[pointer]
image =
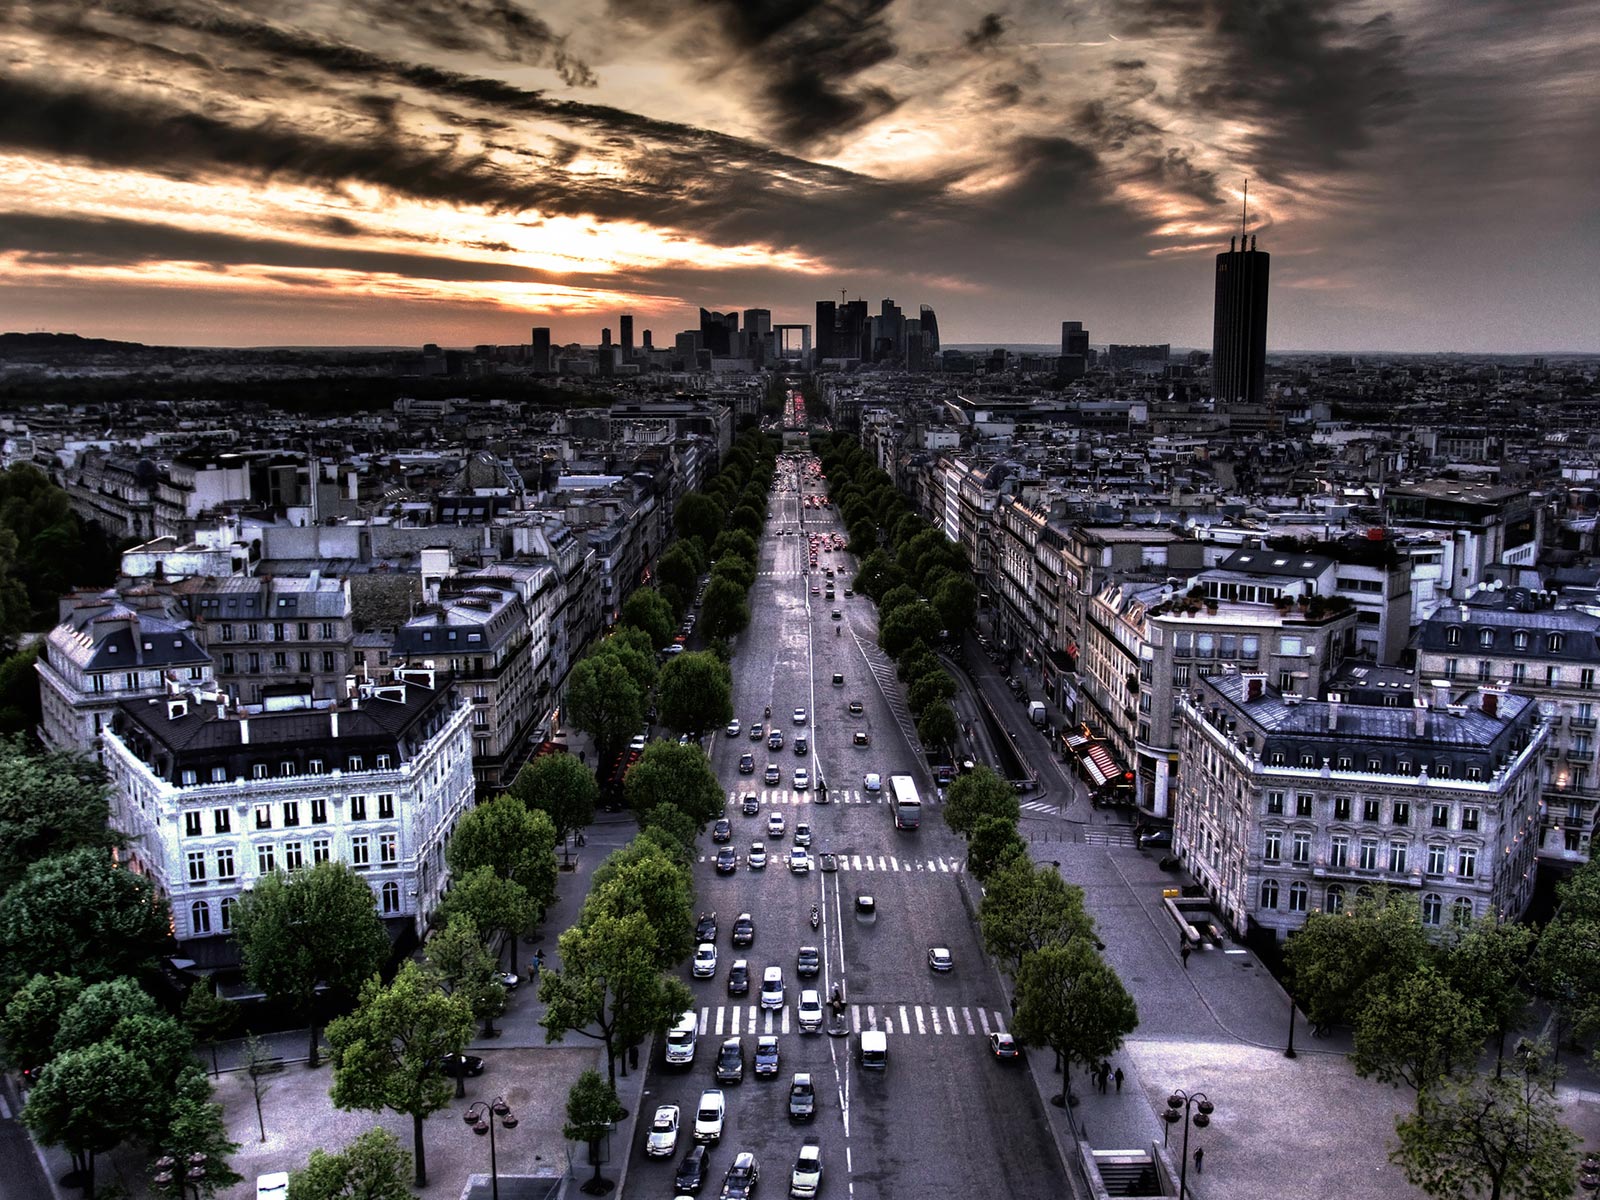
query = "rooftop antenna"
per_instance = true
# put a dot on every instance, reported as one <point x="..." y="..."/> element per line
<point x="841" y="297"/>
<point x="1244" y="211"/>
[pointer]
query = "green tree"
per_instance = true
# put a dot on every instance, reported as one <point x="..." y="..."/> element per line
<point x="372" y="1167"/>
<point x="876" y="575"/>
<point x="81" y="908"/>
<point x="32" y="1018"/>
<point x="956" y="600"/>
<point x="698" y="516"/>
<point x="724" y="611"/>
<point x="259" y="1062"/>
<point x="1069" y="1000"/>
<point x="648" y="610"/>
<point x="736" y="569"/>
<point x="634" y="650"/>
<point x="495" y="905"/>
<point x="592" y="1109"/>
<point x="937" y="726"/>
<point x="1027" y="908"/>
<point x="935" y="687"/>
<point x="668" y="773"/>
<point x="20" y="709"/>
<point x="386" y="1053"/>
<point x="605" y="702"/>
<point x="1566" y="965"/>
<point x="907" y="624"/>
<point x="1487" y="962"/>
<point x="896" y="598"/>
<point x="695" y="694"/>
<point x="312" y="928"/>
<point x="562" y="788"/>
<point x="678" y="573"/>
<point x="50" y="803"/>
<point x="609" y="986"/>
<point x="194" y="1126"/>
<point x="642" y="878"/>
<point x="1341" y="960"/>
<point x="977" y="794"/>
<point x="462" y="966"/>
<point x="748" y="519"/>
<point x="1418" y="1033"/>
<point x="1579" y="893"/>
<point x="517" y="842"/>
<point x="1499" y="1137"/>
<point x="89" y="1102"/>
<point x="677" y="829"/>
<point x="209" y="1017"/>
<point x="735" y="541"/>
<point x="97" y="1010"/>
<point x="993" y="841"/>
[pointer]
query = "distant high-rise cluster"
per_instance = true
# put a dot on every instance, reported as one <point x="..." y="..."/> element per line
<point x="1239" y="329"/>
<point x="846" y="330"/>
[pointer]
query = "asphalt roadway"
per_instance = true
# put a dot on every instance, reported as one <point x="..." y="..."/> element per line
<point x="944" y="1118"/>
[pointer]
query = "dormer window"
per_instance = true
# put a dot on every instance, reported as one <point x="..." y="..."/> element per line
<point x="1452" y="636"/>
<point x="1485" y="637"/>
<point x="1519" y="639"/>
<point x="1553" y="643"/>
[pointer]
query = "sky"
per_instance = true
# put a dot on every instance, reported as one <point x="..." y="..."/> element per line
<point x="1425" y="173"/>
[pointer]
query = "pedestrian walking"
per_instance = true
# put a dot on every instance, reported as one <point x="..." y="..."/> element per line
<point x="1185" y="952"/>
<point x="1119" y="1078"/>
<point x="538" y="961"/>
<point x="1200" y="1160"/>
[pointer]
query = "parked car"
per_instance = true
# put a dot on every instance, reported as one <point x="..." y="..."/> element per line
<point x="838" y="679"/>
<point x="862" y="738"/>
<point x="663" y="1139"/>
<point x="458" y="1065"/>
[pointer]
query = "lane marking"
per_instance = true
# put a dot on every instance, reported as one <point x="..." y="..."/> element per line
<point x="984" y="1018"/>
<point x="967" y="1013"/>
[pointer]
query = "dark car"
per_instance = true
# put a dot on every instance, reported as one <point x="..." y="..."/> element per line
<point x="739" y="978"/>
<point x="801" y="746"/>
<point x="766" y="1057"/>
<point x="730" y="1061"/>
<point x="1156" y="839"/>
<point x="722" y="831"/>
<point x="740" y="1181"/>
<point x="750" y="806"/>
<point x="862" y="738"/>
<point x="705" y="929"/>
<point x="802" y="1098"/>
<point x="458" y="1065"/>
<point x="692" y="1171"/>
<point x="807" y="962"/>
<point x="727" y="861"/>
<point x="747" y="764"/>
<point x="744" y="930"/>
<point x="856" y="708"/>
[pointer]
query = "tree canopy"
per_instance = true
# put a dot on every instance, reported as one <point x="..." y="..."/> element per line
<point x="1339" y="961"/>
<point x="50" y="803"/>
<point x="562" y="788"/>
<point x="517" y="842"/>
<point x="1027" y="908"/>
<point x="648" y="610"/>
<point x="371" y="1167"/>
<point x="977" y="794"/>
<point x="605" y="702"/>
<point x="695" y="693"/>
<point x="669" y="773"/>
<point x="1069" y="1000"/>
<point x="495" y="905"/>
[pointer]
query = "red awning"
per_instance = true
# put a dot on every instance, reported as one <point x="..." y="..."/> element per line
<point x="1100" y="765"/>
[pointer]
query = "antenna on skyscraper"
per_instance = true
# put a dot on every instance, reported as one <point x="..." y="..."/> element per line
<point x="841" y="297"/>
<point x="1244" y="213"/>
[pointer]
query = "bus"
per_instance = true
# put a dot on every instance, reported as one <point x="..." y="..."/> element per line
<point x="904" y="802"/>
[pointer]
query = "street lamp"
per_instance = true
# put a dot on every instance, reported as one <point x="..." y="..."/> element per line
<point x="480" y="1116"/>
<point x="1178" y="1105"/>
<point x="1289" y="1049"/>
<point x="168" y="1174"/>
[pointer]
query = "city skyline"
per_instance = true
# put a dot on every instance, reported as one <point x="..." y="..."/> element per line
<point x="456" y="171"/>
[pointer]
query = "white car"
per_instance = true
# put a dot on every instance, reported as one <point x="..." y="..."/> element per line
<point x="799" y="716"/>
<point x="675" y="648"/>
<point x="705" y="961"/>
<point x="775" y="824"/>
<point x="802" y="779"/>
<point x="708" y="1116"/>
<point x="802" y="833"/>
<point x="809" y="1011"/>
<point x="940" y="959"/>
<point x="806" y="1178"/>
<point x="799" y="861"/>
<point x="733" y="727"/>
<point x="873" y="782"/>
<point x="772" y="987"/>
<point x="757" y="857"/>
<point x="663" y="1138"/>
<point x="637" y="743"/>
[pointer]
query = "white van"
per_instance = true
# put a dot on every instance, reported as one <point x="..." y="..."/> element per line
<point x="874" y="1050"/>
<point x="681" y="1039"/>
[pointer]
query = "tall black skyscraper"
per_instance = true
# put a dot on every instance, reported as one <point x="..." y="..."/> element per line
<point x="827" y="327"/>
<point x="541" y="348"/>
<point x="1239" y="328"/>
<point x="1074" y="350"/>
<point x="717" y="332"/>
<point x="626" y="321"/>
<point x="930" y="330"/>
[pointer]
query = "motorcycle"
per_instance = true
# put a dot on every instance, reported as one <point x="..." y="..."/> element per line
<point x="767" y="712"/>
<point x="816" y="917"/>
<point x="837" y="632"/>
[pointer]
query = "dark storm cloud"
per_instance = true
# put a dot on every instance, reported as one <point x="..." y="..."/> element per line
<point x="1315" y="85"/>
<point x="501" y="28"/>
<point x="987" y="33"/>
<point x="1177" y="172"/>
<point x="801" y="56"/>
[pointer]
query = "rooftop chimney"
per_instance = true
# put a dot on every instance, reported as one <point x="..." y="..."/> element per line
<point x="1441" y="693"/>
<point x="1335" y="700"/>
<point x="1420" y="718"/>
<point x="1490" y="698"/>
<point x="244" y="731"/>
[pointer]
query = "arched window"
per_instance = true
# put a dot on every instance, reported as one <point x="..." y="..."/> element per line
<point x="1432" y="908"/>
<point x="391" y="898"/>
<point x="1335" y="897"/>
<point x="1485" y="637"/>
<point x="1461" y="911"/>
<point x="1554" y="642"/>
<point x="1363" y="893"/>
<point x="1452" y="636"/>
<point x="227" y="913"/>
<point x="1297" y="896"/>
<point x="200" y="917"/>
<point x="1269" y="893"/>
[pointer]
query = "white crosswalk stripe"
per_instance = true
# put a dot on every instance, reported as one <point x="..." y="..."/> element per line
<point x="911" y="1021"/>
<point x="1038" y="806"/>
<point x="932" y="866"/>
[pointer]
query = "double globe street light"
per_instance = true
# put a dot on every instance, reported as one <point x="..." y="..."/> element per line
<point x="480" y="1117"/>
<point x="1178" y="1106"/>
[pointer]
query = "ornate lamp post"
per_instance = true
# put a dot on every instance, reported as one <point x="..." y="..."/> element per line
<point x="1178" y="1105"/>
<point x="480" y="1116"/>
<point x="173" y="1173"/>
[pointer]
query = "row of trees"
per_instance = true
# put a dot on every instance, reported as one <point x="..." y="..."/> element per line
<point x="920" y="581"/>
<point x="1422" y="1009"/>
<point x="1068" y="998"/>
